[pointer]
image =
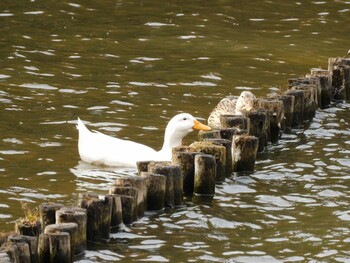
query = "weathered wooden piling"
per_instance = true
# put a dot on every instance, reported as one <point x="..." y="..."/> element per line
<point x="98" y="210"/>
<point x="174" y="182"/>
<point x="244" y="152"/>
<point x="228" y="145"/>
<point x="24" y="227"/>
<point x="139" y="184"/>
<point x="184" y="158"/>
<point x="234" y="121"/>
<point x="54" y="248"/>
<point x="339" y="69"/>
<point x="78" y="216"/>
<point x="204" y="174"/>
<point x="32" y="242"/>
<point x="209" y="134"/>
<point x="117" y="212"/>
<point x="298" y="107"/>
<point x="142" y="166"/>
<point x="127" y="203"/>
<point x="219" y="153"/>
<point x="288" y="102"/>
<point x="325" y="96"/>
<point x="156" y="187"/>
<point x="275" y="109"/>
<point x="47" y="213"/>
<point x="70" y="228"/>
<point x="59" y="244"/>
<point x="259" y="127"/>
<point x="23" y="248"/>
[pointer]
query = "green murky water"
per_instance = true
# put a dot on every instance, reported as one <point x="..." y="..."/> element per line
<point x="127" y="67"/>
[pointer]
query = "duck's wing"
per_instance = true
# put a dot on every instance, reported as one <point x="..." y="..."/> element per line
<point x="225" y="106"/>
<point x="99" y="148"/>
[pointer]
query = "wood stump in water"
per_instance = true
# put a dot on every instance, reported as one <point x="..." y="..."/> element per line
<point x="244" y="152"/>
<point x="219" y="153"/>
<point x="156" y="187"/>
<point x="259" y="127"/>
<point x="48" y="214"/>
<point x="298" y="107"/>
<point x="325" y="96"/>
<point x="79" y="216"/>
<point x="98" y="210"/>
<point x="204" y="174"/>
<point x="128" y="196"/>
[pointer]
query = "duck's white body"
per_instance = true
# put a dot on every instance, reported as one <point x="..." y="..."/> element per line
<point x="98" y="148"/>
<point x="231" y="105"/>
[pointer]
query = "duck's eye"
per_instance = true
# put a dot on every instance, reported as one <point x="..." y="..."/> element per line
<point x="185" y="119"/>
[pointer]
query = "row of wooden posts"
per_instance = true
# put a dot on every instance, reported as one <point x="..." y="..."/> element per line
<point x="61" y="233"/>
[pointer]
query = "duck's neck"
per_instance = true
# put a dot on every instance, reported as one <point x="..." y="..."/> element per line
<point x="171" y="140"/>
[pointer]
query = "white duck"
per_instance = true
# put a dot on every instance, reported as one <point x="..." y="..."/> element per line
<point x="231" y="105"/>
<point x="98" y="148"/>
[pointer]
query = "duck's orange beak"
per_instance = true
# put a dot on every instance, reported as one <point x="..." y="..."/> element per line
<point x="200" y="126"/>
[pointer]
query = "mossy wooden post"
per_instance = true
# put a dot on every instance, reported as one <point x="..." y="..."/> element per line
<point x="298" y="107"/>
<point x="309" y="101"/>
<point x="288" y="102"/>
<point x="59" y="244"/>
<point x="23" y="227"/>
<point x="139" y="184"/>
<point x="47" y="213"/>
<point x="70" y="228"/>
<point x="23" y="249"/>
<point x="142" y="166"/>
<point x="75" y="215"/>
<point x="209" y="134"/>
<point x="204" y="174"/>
<point x="340" y="77"/>
<point x="275" y="108"/>
<point x="219" y="153"/>
<point x="117" y="212"/>
<point x="98" y="210"/>
<point x="32" y="242"/>
<point x="325" y="98"/>
<point x="174" y="182"/>
<point x="259" y="127"/>
<point x="127" y="203"/>
<point x="244" y="151"/>
<point x="185" y="160"/>
<point x="156" y="186"/>
<point x="228" y="133"/>
<point x="234" y="121"/>
<point x="43" y="248"/>
<point x="228" y="145"/>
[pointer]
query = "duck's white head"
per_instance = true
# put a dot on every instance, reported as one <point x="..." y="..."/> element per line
<point x="245" y="102"/>
<point x="178" y="127"/>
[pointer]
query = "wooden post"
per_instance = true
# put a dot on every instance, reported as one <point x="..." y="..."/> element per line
<point x="78" y="216"/>
<point x="43" y="248"/>
<point x="32" y="242"/>
<point x="288" y="102"/>
<point x="185" y="160"/>
<point x="209" y="134"/>
<point x="340" y="77"/>
<point x="259" y="127"/>
<point x="70" y="228"/>
<point x="204" y="174"/>
<point x="98" y="216"/>
<point x="48" y="214"/>
<point x="139" y="184"/>
<point x="60" y="248"/>
<point x="117" y="212"/>
<point x="228" y="145"/>
<point x="275" y="108"/>
<point x="23" y="249"/>
<point x="26" y="228"/>
<point x="298" y="107"/>
<point x="156" y="187"/>
<point x="142" y="166"/>
<point x="228" y="133"/>
<point x="244" y="151"/>
<point x="124" y="191"/>
<point x="325" y="97"/>
<point x="174" y="182"/>
<point x="219" y="153"/>
<point x="234" y="121"/>
<point x="309" y="101"/>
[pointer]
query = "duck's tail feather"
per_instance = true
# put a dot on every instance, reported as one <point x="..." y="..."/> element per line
<point x="81" y="126"/>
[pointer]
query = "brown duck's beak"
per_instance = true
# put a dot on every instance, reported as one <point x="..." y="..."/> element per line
<point x="200" y="126"/>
